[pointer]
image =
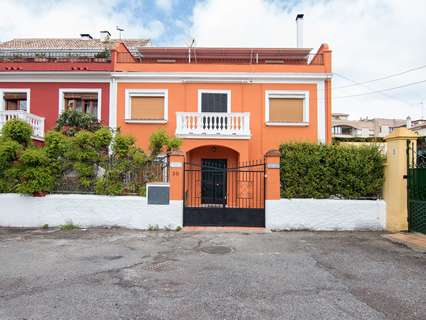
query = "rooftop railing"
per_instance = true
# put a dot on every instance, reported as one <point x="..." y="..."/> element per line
<point x="43" y="56"/>
<point x="167" y="55"/>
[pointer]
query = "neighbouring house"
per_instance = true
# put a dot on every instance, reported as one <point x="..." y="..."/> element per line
<point x="418" y="126"/>
<point x="42" y="77"/>
<point x="343" y="127"/>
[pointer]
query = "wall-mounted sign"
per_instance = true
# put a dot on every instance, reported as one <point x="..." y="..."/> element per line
<point x="273" y="165"/>
<point x="176" y="164"/>
<point x="158" y="193"/>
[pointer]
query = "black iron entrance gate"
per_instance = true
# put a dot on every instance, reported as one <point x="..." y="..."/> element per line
<point x="216" y="194"/>
<point x="416" y="183"/>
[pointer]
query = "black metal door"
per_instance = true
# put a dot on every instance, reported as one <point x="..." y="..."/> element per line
<point x="218" y="195"/>
<point x="416" y="185"/>
<point x="213" y="181"/>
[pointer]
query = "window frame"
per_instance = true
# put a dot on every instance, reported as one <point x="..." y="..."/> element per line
<point x="27" y="91"/>
<point x="129" y="93"/>
<point x="288" y="94"/>
<point x="62" y="92"/>
<point x="228" y="100"/>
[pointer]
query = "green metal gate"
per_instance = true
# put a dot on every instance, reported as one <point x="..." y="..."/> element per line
<point x="416" y="184"/>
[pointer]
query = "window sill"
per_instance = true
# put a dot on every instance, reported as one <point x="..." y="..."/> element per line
<point x="146" y="121"/>
<point x="288" y="124"/>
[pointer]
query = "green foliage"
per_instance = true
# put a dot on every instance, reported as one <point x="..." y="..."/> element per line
<point x="105" y="54"/>
<point x="126" y="159"/>
<point x="45" y="226"/>
<point x="80" y="162"/>
<point x="33" y="172"/>
<point x="10" y="151"/>
<point x="68" y="226"/>
<point x="174" y="143"/>
<point x="18" y="130"/>
<point x="324" y="171"/>
<point x="103" y="138"/>
<point x="154" y="227"/>
<point x="71" y="122"/>
<point x="160" y="140"/>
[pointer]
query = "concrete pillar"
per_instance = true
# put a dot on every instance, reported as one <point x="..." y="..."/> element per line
<point x="273" y="185"/>
<point x="395" y="187"/>
<point x="176" y="166"/>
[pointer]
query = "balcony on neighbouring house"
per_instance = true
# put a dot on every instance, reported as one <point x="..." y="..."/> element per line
<point x="36" y="122"/>
<point x="213" y="125"/>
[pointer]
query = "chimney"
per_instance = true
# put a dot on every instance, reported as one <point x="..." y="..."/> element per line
<point x="299" y="24"/>
<point x="408" y="122"/>
<point x="105" y="36"/>
<point x="86" y="36"/>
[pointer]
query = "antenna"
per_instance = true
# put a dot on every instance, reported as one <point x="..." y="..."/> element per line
<point x="119" y="30"/>
<point x="189" y="49"/>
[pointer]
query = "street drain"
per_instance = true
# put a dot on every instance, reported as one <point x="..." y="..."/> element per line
<point x="112" y="257"/>
<point x="216" y="250"/>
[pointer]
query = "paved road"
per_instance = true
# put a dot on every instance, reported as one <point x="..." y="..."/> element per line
<point x="125" y="274"/>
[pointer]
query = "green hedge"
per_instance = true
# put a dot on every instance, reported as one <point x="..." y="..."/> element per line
<point x="324" y="171"/>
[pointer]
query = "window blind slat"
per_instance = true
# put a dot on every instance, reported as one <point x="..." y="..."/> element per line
<point x="285" y="110"/>
<point x="147" y="108"/>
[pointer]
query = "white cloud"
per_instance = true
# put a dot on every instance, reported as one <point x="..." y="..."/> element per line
<point x="369" y="39"/>
<point x="165" y="5"/>
<point x="70" y="18"/>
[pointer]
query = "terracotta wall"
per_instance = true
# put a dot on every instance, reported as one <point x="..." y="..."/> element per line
<point x="244" y="98"/>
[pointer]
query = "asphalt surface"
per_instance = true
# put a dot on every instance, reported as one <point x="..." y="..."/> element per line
<point x="127" y="274"/>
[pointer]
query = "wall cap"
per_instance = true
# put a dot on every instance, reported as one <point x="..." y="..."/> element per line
<point x="273" y="153"/>
<point x="176" y="152"/>
<point x="401" y="134"/>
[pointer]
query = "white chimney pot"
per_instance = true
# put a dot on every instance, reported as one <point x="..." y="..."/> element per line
<point x="299" y="24"/>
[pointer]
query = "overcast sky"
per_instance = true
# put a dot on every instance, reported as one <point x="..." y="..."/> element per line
<point x="369" y="38"/>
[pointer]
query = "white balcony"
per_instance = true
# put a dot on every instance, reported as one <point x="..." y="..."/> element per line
<point x="36" y="122"/>
<point x="216" y="125"/>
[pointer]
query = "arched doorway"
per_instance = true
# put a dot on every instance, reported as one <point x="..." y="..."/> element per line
<point x="219" y="191"/>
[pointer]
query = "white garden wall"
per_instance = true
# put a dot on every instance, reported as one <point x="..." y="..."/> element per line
<point x="87" y="210"/>
<point x="319" y="214"/>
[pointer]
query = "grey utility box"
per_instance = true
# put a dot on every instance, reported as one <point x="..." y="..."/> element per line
<point x="158" y="193"/>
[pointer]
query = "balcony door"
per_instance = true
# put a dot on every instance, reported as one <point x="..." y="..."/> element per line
<point x="214" y="102"/>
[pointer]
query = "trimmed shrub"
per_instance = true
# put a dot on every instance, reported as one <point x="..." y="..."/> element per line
<point x="34" y="175"/>
<point x="324" y="171"/>
<point x="18" y="130"/>
<point x="9" y="154"/>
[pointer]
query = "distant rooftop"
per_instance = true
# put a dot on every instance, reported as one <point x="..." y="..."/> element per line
<point x="69" y="44"/>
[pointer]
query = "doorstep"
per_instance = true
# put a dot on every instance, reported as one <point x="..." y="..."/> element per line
<point x="414" y="241"/>
<point x="226" y="229"/>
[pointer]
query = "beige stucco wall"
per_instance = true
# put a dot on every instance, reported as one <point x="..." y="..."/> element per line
<point x="395" y="187"/>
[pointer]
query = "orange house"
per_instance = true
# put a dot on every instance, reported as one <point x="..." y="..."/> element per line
<point x="230" y="106"/>
<point x="247" y="100"/>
